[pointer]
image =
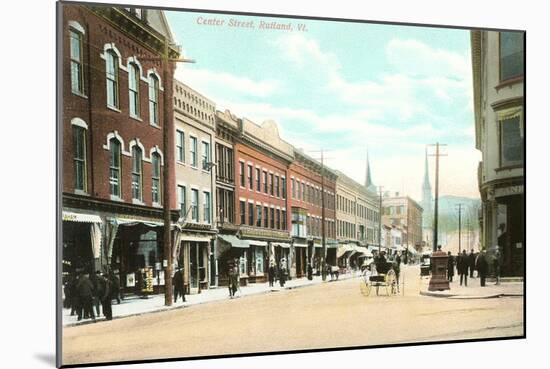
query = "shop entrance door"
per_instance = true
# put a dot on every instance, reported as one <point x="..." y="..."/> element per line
<point x="194" y="267"/>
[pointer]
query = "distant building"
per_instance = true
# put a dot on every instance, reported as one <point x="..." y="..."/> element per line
<point x="404" y="212"/>
<point x="307" y="180"/>
<point x="498" y="76"/>
<point x="357" y="219"/>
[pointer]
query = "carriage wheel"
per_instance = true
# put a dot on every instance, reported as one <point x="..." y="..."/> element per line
<point x="365" y="286"/>
<point x="391" y="282"/>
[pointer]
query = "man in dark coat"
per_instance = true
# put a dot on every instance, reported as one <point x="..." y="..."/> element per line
<point x="472" y="262"/>
<point x="271" y="272"/>
<point x="178" y="285"/>
<point x="309" y="272"/>
<point x="397" y="267"/>
<point x="98" y="291"/>
<point x="463" y="268"/>
<point x="115" y="286"/>
<point x="482" y="266"/>
<point x="497" y="261"/>
<point x="233" y="280"/>
<point x="450" y="267"/>
<point x="106" y="293"/>
<point x="85" y="295"/>
<point x="282" y="275"/>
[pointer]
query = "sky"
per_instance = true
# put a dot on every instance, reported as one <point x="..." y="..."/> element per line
<point x="348" y="88"/>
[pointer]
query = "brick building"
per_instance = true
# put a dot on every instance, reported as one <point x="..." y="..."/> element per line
<point x="405" y="213"/>
<point x="114" y="90"/>
<point x="261" y="207"/>
<point x="306" y="203"/>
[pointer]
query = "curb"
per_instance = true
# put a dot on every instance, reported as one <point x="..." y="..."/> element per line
<point x="469" y="297"/>
<point x="164" y="309"/>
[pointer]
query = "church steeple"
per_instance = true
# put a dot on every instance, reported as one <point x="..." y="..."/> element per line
<point x="368" y="176"/>
<point x="426" y="186"/>
<point x="427" y="198"/>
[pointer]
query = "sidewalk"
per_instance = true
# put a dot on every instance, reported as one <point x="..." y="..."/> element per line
<point x="133" y="306"/>
<point x="474" y="290"/>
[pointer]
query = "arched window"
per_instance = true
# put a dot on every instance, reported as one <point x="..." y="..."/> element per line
<point x="153" y="99"/>
<point x="136" y="173"/>
<point x="114" y="167"/>
<point x="112" y="79"/>
<point x="79" y="142"/>
<point x="156" y="183"/>
<point x="77" y="73"/>
<point x="133" y="86"/>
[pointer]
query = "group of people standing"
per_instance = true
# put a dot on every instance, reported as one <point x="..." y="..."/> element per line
<point x="280" y="273"/>
<point x="85" y="292"/>
<point x="466" y="264"/>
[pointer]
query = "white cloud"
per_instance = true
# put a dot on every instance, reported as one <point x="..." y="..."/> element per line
<point x="211" y="81"/>
<point x="412" y="57"/>
<point x="421" y="71"/>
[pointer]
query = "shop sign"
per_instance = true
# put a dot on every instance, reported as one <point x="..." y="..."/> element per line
<point x="509" y="191"/>
<point x="130" y="280"/>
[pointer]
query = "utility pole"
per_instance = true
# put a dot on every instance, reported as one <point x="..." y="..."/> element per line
<point x="437" y="155"/>
<point x="380" y="221"/>
<point x="459" y="227"/>
<point x="323" y="238"/>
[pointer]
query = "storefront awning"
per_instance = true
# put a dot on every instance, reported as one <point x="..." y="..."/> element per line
<point x="69" y="216"/>
<point x="234" y="241"/>
<point x="282" y="244"/>
<point x="131" y="221"/>
<point x="256" y="243"/>
<point x="296" y="244"/>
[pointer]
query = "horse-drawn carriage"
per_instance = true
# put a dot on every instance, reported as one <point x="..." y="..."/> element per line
<point x="379" y="274"/>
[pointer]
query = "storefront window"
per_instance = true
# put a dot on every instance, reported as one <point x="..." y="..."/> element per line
<point x="242" y="265"/>
<point x="259" y="260"/>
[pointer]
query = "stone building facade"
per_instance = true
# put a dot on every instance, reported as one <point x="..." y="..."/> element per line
<point x="498" y="75"/>
<point x="194" y="141"/>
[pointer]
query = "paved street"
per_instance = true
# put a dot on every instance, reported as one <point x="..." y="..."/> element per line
<point x="319" y="316"/>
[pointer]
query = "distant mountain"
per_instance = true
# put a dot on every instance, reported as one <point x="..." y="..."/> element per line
<point x="449" y="204"/>
<point x="448" y="213"/>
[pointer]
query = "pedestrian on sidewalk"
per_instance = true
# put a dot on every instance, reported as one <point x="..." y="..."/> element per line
<point x="282" y="275"/>
<point x="309" y="272"/>
<point x="450" y="266"/>
<point x="85" y="295"/>
<point x="271" y="271"/>
<point x="233" y="280"/>
<point x="98" y="292"/>
<point x="73" y="286"/>
<point x="496" y="266"/>
<point x="482" y="266"/>
<point x="178" y="285"/>
<point x="463" y="268"/>
<point x="115" y="286"/>
<point x="472" y="262"/>
<point x="106" y="295"/>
